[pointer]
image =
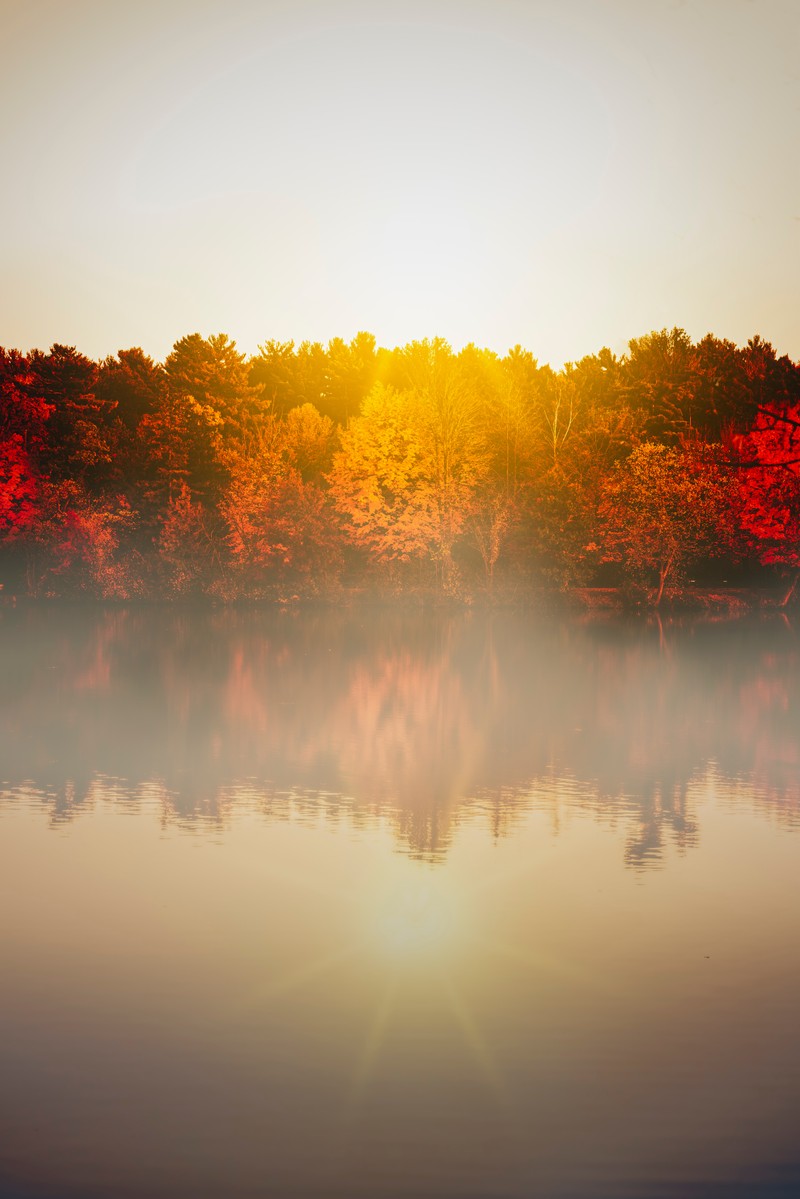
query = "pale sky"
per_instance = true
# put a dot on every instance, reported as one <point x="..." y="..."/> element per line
<point x="560" y="175"/>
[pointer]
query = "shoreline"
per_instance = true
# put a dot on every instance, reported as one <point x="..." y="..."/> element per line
<point x="718" y="602"/>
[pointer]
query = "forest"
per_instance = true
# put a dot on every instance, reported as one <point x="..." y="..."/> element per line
<point x="346" y="470"/>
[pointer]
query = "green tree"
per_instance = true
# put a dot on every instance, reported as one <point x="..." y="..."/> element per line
<point x="273" y="371"/>
<point x="351" y="372"/>
<point x="131" y="385"/>
<point x="209" y="405"/>
<point x="78" y="444"/>
<point x="506" y="393"/>
<point x="210" y="373"/>
<point x="657" y="377"/>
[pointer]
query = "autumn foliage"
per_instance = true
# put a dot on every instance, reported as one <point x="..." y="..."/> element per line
<point x="306" y="470"/>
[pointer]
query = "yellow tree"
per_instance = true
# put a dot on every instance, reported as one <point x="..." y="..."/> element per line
<point x="453" y="441"/>
<point x="380" y="479"/>
<point x="409" y="465"/>
<point x="501" y="423"/>
<point x="308" y="438"/>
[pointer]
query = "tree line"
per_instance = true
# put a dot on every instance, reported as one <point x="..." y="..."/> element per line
<point x="309" y="470"/>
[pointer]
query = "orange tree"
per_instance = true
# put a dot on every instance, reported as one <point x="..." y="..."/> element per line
<point x="275" y="512"/>
<point x="664" y="508"/>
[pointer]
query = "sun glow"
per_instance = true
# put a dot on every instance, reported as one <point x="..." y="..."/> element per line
<point x="417" y="921"/>
<point x="496" y="173"/>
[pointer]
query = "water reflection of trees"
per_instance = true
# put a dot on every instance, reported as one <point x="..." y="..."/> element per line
<point x="417" y="719"/>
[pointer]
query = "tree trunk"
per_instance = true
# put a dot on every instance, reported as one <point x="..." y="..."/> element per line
<point x="663" y="575"/>
<point x="792" y="588"/>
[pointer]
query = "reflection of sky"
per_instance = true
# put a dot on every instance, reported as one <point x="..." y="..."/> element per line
<point x="418" y="720"/>
<point x="527" y="1018"/>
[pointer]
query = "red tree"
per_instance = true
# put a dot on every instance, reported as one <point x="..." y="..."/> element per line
<point x="19" y="489"/>
<point x="770" y="483"/>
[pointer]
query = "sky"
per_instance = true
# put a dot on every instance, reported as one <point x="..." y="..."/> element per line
<point x="562" y="176"/>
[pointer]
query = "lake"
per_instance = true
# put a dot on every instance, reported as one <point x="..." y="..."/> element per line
<point x="375" y="904"/>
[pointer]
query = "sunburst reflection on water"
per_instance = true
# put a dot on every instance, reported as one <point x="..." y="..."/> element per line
<point x="472" y="908"/>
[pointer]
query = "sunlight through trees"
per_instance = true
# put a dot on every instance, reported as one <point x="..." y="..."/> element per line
<point x="316" y="470"/>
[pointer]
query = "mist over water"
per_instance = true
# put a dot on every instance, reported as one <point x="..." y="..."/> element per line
<point x="379" y="903"/>
<point x="416" y="720"/>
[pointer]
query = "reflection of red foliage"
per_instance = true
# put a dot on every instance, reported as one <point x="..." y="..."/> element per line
<point x="19" y="489"/>
<point x="771" y="484"/>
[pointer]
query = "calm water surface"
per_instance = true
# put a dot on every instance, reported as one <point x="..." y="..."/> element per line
<point x="380" y="905"/>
